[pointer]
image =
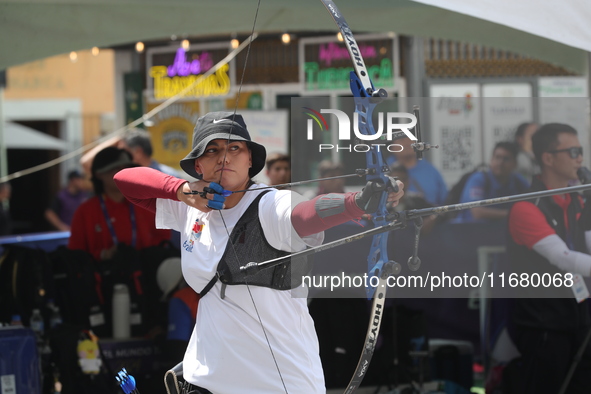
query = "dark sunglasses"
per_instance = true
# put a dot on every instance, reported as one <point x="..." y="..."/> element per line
<point x="573" y="152"/>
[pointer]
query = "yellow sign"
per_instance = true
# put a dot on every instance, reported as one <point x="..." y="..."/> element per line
<point x="172" y="132"/>
<point x="171" y="71"/>
<point x="217" y="84"/>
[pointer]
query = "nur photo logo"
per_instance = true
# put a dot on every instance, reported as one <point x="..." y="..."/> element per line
<point x="389" y="129"/>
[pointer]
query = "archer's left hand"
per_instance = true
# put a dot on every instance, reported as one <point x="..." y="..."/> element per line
<point x="369" y="198"/>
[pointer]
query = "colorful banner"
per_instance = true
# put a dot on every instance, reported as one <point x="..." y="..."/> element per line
<point x="325" y="63"/>
<point x="171" y="70"/>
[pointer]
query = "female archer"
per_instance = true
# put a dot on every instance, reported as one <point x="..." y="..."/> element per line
<point x="251" y="335"/>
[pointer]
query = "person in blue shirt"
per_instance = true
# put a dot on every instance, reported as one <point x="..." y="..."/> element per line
<point x="424" y="178"/>
<point x="498" y="181"/>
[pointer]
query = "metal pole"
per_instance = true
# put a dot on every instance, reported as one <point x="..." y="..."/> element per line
<point x="3" y="149"/>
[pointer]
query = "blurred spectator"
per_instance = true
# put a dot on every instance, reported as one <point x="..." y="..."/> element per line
<point x="327" y="169"/>
<point x="552" y="236"/>
<point x="65" y="203"/>
<point x="527" y="165"/>
<point x="5" y="220"/>
<point x="424" y="177"/>
<point x="107" y="219"/>
<point x="278" y="169"/>
<point x="137" y="142"/>
<point x="498" y="181"/>
<point x="412" y="200"/>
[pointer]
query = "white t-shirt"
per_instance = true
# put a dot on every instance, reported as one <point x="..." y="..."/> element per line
<point x="228" y="352"/>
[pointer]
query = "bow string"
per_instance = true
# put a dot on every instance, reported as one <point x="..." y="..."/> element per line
<point x="226" y="193"/>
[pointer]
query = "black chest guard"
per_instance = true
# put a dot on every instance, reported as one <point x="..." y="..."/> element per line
<point x="247" y="243"/>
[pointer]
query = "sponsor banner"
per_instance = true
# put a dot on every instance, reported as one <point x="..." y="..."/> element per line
<point x="170" y="70"/>
<point x="325" y="63"/>
<point x="504" y="107"/>
<point x="455" y="127"/>
<point x="565" y="100"/>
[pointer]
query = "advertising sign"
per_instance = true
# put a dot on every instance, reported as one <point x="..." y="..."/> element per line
<point x="270" y="129"/>
<point x="565" y="100"/>
<point x="455" y="127"/>
<point x="325" y="63"/>
<point x="504" y="107"/>
<point x="170" y="70"/>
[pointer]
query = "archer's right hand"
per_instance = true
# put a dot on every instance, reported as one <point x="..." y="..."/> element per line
<point x="192" y="194"/>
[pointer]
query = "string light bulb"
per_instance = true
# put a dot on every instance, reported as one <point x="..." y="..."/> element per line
<point x="73" y="57"/>
<point x="286" y="38"/>
<point x="185" y="44"/>
<point x="234" y="43"/>
<point x="95" y="51"/>
<point x="340" y="37"/>
<point x="139" y="47"/>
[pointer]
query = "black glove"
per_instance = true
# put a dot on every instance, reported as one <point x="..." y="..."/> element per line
<point x="368" y="198"/>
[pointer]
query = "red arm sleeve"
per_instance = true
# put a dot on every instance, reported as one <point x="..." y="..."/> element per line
<point x="143" y="185"/>
<point x="305" y="219"/>
<point x="528" y="225"/>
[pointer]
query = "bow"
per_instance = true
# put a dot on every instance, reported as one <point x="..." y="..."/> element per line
<point x="379" y="266"/>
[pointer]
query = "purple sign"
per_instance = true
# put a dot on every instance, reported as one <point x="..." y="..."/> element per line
<point x="182" y="67"/>
<point x="332" y="51"/>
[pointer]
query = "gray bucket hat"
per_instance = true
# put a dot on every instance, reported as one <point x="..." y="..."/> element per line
<point x="221" y="125"/>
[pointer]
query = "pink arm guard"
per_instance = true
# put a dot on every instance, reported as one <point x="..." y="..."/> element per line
<point x="143" y="185"/>
<point x="306" y="221"/>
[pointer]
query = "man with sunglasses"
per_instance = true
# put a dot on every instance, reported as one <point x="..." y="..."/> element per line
<point x="552" y="235"/>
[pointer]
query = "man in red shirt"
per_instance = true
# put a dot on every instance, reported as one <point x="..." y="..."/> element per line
<point x="552" y="235"/>
<point x="107" y="219"/>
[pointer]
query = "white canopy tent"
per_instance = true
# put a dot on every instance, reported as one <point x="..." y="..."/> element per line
<point x="555" y="32"/>
<point x="558" y="33"/>
<point x="566" y="21"/>
<point x="21" y="137"/>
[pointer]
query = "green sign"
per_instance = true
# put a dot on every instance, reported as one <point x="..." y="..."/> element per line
<point x="326" y="65"/>
<point x="318" y="78"/>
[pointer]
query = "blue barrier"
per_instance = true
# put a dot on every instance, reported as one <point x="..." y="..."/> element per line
<point x="48" y="241"/>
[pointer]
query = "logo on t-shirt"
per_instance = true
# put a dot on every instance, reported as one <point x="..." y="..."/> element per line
<point x="195" y="235"/>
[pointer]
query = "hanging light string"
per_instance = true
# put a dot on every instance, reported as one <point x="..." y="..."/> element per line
<point x="135" y="123"/>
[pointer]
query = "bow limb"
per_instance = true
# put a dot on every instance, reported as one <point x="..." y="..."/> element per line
<point x="366" y="99"/>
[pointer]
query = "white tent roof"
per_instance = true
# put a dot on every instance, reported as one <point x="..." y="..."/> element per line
<point x="34" y="29"/>
<point x="17" y="136"/>
<point x="566" y="21"/>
